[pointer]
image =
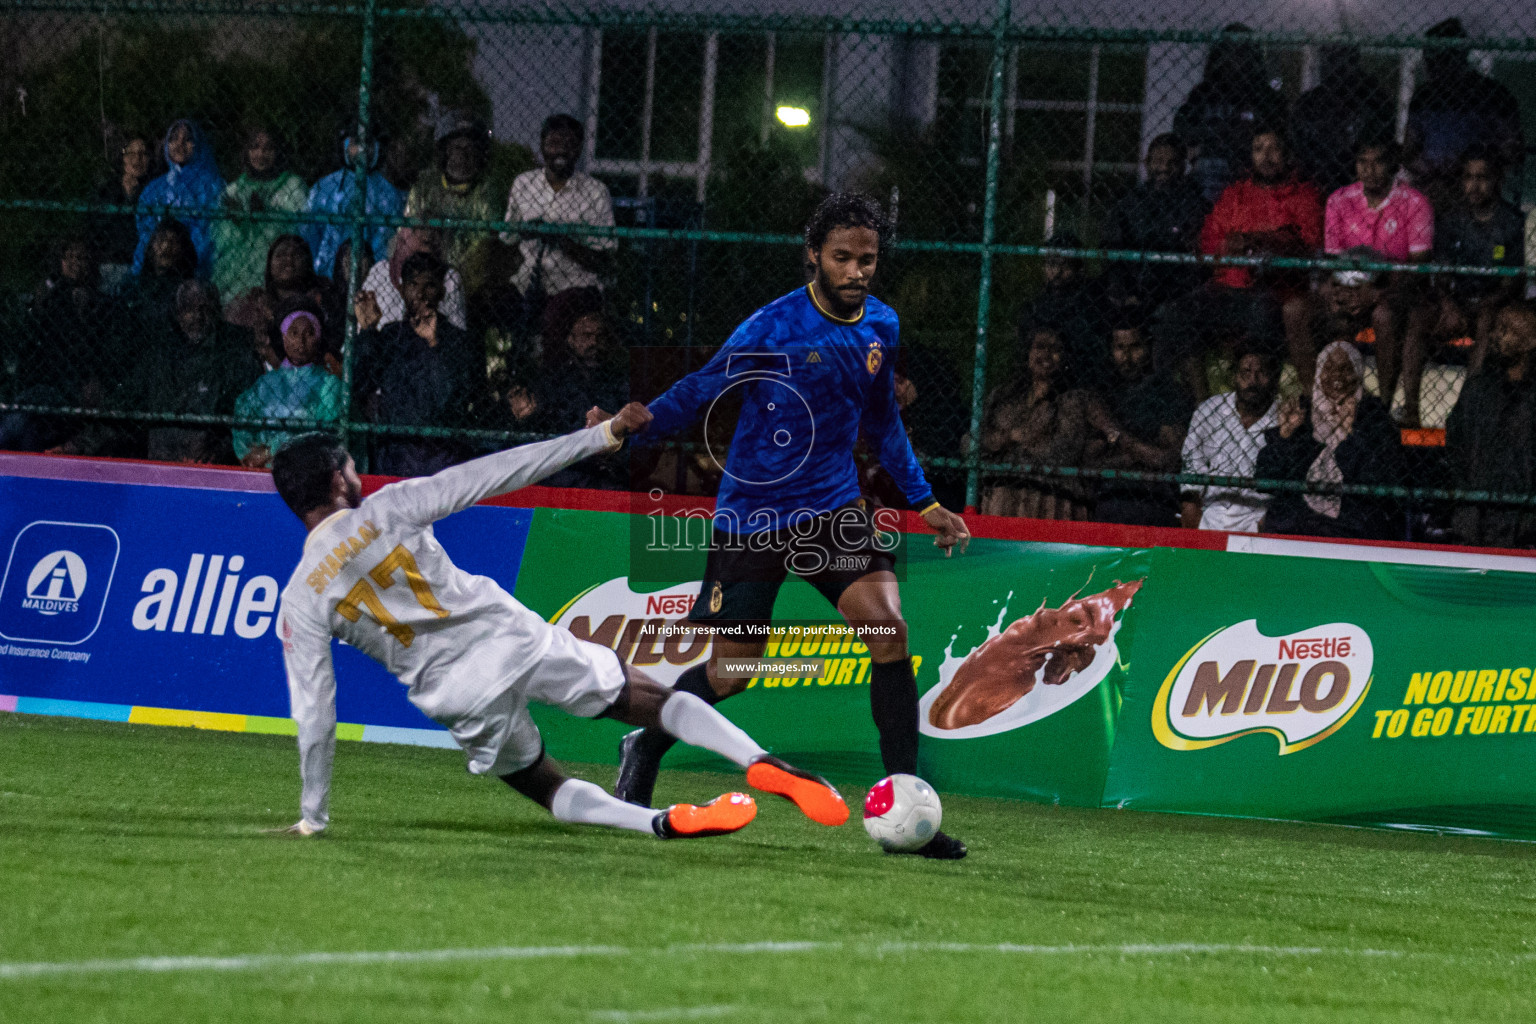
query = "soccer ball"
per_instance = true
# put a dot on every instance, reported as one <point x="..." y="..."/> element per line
<point x="902" y="812"/>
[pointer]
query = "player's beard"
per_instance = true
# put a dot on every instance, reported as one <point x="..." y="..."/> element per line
<point x="852" y="297"/>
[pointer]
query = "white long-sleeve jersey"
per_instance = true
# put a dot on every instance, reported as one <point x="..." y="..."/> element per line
<point x="376" y="577"/>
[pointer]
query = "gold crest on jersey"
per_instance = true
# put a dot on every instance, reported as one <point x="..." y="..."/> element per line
<point x="716" y="597"/>
<point x="873" y="360"/>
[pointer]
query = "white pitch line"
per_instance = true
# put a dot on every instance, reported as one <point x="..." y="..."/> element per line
<point x="669" y="1013"/>
<point x="267" y="961"/>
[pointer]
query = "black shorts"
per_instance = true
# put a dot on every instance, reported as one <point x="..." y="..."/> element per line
<point x="743" y="572"/>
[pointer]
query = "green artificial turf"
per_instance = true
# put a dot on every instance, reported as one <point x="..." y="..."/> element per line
<point x="122" y="841"/>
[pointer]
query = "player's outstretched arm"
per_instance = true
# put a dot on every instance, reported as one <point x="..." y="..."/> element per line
<point x="312" y="703"/>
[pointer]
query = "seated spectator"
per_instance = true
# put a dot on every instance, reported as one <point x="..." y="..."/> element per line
<point x="1329" y="120"/>
<point x="115" y="236"/>
<point x="418" y="371"/>
<point x="1073" y="307"/>
<point x="1395" y="222"/>
<point x="335" y="193"/>
<point x="289" y="277"/>
<point x="1218" y="118"/>
<point x="401" y="164"/>
<point x="192" y="181"/>
<point x="1226" y="434"/>
<point x="1481" y="230"/>
<point x="456" y="186"/>
<point x="1453" y="109"/>
<point x="301" y="388"/>
<point x="1347" y="303"/>
<point x="1343" y="436"/>
<point x="1490" y="439"/>
<point x="1148" y="415"/>
<point x="1270" y="213"/>
<point x="264" y="184"/>
<point x="383" y="280"/>
<point x="170" y="259"/>
<point x="557" y="193"/>
<point x="1162" y="214"/>
<point x="581" y="370"/>
<point x="1034" y="420"/>
<point x="194" y="368"/>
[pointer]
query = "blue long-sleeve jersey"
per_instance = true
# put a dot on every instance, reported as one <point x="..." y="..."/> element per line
<point x="806" y="384"/>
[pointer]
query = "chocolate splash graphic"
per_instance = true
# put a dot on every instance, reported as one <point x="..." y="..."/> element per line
<point x="999" y="673"/>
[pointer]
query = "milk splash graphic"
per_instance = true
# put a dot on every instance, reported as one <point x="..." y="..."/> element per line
<point x="1043" y="699"/>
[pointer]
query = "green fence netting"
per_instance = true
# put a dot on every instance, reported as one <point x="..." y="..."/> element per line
<point x="1241" y="263"/>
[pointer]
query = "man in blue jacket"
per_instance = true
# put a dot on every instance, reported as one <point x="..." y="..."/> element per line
<point x="334" y="194"/>
<point x="812" y="370"/>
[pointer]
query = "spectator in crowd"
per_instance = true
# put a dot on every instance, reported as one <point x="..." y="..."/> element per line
<point x="401" y="165"/>
<point x="1328" y="122"/>
<point x="383" y="280"/>
<point x="116" y="236"/>
<point x="1218" y="118"/>
<point x="418" y="371"/>
<point x="1347" y="302"/>
<point x="1490" y="439"/>
<point x="1393" y="221"/>
<point x="169" y="260"/>
<point x="63" y="355"/>
<point x="1036" y="420"/>
<point x="1453" y="108"/>
<point x="581" y="370"/>
<point x="335" y="193"/>
<point x="195" y="369"/>
<point x="300" y="388"/>
<point x="1148" y="415"/>
<point x="1073" y="307"/>
<point x="264" y="185"/>
<point x="191" y="181"/>
<point x="289" y="276"/>
<point x="1162" y="214"/>
<point x="558" y="193"/>
<point x="1269" y="213"/>
<point x="456" y="187"/>
<point x="1226" y="434"/>
<point x="1343" y="436"/>
<point x="1481" y="230"/>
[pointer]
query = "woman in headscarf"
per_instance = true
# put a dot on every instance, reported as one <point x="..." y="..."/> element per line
<point x="1343" y="436"/>
<point x="116" y="236"/>
<point x="383" y="280"/>
<point x="301" y="388"/>
<point x="264" y="184"/>
<point x="191" y="181"/>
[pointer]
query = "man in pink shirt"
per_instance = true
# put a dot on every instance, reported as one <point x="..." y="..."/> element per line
<point x="1395" y="220"/>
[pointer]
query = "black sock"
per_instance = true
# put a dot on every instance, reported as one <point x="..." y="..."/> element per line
<point x="893" y="700"/>
<point x="696" y="682"/>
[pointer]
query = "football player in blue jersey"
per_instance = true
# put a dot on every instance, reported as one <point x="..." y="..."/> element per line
<point x="811" y="371"/>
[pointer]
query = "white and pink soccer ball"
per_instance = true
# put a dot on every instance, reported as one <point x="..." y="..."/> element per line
<point x="902" y="812"/>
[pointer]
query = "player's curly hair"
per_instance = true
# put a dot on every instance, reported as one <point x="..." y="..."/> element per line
<point x="846" y="210"/>
<point x="302" y="470"/>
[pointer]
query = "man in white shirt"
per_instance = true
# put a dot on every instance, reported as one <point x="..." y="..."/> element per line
<point x="559" y="194"/>
<point x="472" y="656"/>
<point x="1224" y="439"/>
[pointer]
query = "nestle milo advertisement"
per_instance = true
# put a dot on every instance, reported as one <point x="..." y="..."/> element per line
<point x="1160" y="679"/>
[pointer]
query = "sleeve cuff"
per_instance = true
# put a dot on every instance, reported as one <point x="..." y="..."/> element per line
<point x="614" y="443"/>
<point x="925" y="505"/>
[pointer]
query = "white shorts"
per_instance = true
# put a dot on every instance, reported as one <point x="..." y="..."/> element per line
<point x="574" y="675"/>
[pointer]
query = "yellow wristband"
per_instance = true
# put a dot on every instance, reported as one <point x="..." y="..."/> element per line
<point x="930" y="508"/>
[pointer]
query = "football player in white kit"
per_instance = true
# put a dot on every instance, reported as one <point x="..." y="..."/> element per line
<point x="373" y="574"/>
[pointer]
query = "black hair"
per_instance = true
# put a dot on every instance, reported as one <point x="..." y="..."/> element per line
<point x="1277" y="130"/>
<point x="1484" y="152"/>
<point x="562" y="123"/>
<point x="1249" y="347"/>
<point x="419" y="263"/>
<point x="845" y="210"/>
<point x="302" y="470"/>
<point x="1391" y="151"/>
<point x="186" y="256"/>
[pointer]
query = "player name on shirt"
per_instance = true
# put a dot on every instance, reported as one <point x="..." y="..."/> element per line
<point x="340" y="555"/>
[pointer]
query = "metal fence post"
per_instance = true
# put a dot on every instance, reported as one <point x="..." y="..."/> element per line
<point x="988" y="234"/>
<point x="359" y="211"/>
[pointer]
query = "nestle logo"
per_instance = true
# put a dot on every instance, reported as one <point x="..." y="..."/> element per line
<point x="1308" y="647"/>
<point x="669" y="604"/>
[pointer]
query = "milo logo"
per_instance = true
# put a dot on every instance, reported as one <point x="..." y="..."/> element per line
<point x="1300" y="688"/>
<point x="646" y="630"/>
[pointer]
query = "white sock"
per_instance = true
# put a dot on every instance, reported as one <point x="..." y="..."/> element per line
<point x="578" y="802"/>
<point x="699" y="725"/>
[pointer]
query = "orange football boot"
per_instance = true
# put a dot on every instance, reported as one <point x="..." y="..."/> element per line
<point x="813" y="794"/>
<point x="723" y="814"/>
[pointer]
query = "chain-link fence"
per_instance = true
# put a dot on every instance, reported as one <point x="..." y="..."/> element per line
<point x="1237" y="263"/>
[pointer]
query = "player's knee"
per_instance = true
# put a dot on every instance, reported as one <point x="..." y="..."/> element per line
<point x="885" y="638"/>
